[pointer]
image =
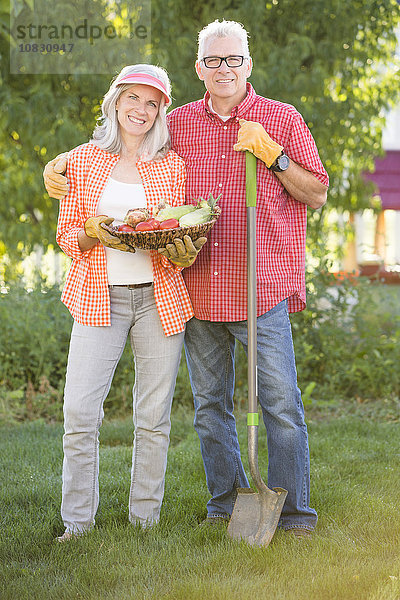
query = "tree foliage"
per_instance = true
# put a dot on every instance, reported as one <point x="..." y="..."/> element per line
<point x="334" y="61"/>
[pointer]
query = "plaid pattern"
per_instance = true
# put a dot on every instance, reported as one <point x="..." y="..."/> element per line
<point x="217" y="282"/>
<point x="86" y="292"/>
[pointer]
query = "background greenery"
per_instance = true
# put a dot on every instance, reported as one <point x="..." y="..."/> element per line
<point x="347" y="346"/>
<point x="333" y="60"/>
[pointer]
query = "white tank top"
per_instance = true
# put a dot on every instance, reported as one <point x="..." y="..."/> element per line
<point x="124" y="267"/>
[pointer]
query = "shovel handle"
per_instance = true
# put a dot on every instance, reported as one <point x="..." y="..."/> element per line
<point x="252" y="415"/>
<point x="251" y="179"/>
<point x="251" y="198"/>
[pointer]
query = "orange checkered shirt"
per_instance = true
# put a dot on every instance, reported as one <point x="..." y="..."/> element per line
<point x="86" y="292"/>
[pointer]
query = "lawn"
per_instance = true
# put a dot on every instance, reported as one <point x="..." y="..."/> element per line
<point x="354" y="554"/>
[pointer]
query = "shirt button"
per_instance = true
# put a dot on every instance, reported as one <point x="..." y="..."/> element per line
<point x="215" y="272"/>
<point x="215" y="243"/>
<point x="225" y="127"/>
<point x="223" y="156"/>
<point x="220" y="185"/>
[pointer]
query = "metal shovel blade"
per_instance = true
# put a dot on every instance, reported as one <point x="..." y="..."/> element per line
<point x="256" y="514"/>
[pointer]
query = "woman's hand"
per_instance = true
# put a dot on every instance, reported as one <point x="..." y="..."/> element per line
<point x="183" y="253"/>
<point x="94" y="229"/>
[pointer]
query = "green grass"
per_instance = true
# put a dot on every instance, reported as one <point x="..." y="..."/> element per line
<point x="354" y="555"/>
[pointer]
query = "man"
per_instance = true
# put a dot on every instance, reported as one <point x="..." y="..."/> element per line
<point x="211" y="135"/>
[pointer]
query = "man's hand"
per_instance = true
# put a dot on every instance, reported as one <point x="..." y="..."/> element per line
<point x="93" y="229"/>
<point x="183" y="253"/>
<point x="56" y="184"/>
<point x="253" y="137"/>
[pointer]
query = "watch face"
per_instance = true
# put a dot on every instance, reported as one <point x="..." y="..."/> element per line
<point x="283" y="162"/>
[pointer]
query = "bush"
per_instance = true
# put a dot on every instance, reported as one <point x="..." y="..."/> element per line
<point x="346" y="341"/>
<point x="35" y="330"/>
<point x="35" y="333"/>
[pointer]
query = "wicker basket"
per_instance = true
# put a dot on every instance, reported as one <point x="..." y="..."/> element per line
<point x="152" y="240"/>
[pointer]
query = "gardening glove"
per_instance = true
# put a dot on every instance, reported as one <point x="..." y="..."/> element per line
<point x="56" y="185"/>
<point x="93" y="229"/>
<point x="253" y="137"/>
<point x="183" y="253"/>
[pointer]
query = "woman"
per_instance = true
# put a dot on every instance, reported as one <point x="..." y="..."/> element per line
<point x="114" y="292"/>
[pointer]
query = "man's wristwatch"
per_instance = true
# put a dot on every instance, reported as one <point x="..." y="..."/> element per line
<point x="281" y="163"/>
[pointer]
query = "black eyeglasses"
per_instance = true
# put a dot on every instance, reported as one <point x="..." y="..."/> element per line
<point x="214" y="62"/>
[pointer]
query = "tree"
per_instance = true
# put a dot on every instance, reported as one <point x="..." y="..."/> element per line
<point x="42" y="115"/>
<point x="334" y="61"/>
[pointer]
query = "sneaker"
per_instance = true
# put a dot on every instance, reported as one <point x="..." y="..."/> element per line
<point x="67" y="536"/>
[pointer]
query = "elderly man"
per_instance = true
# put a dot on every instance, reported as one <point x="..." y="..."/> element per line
<point x="209" y="135"/>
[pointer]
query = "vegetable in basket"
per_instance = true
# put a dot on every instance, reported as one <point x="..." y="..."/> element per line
<point x="204" y="212"/>
<point x="167" y="212"/>
<point x="135" y="216"/>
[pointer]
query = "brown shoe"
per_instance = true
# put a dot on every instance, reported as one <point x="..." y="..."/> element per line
<point x="299" y="532"/>
<point x="222" y="520"/>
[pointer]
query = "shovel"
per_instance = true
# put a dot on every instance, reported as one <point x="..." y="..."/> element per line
<point x="255" y="515"/>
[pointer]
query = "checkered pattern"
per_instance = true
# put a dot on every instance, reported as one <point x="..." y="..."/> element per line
<point x="217" y="282"/>
<point x="86" y="290"/>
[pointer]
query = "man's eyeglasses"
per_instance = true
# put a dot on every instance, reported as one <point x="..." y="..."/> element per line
<point x="214" y="62"/>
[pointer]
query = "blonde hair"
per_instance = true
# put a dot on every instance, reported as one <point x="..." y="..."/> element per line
<point x="223" y="29"/>
<point x="107" y="134"/>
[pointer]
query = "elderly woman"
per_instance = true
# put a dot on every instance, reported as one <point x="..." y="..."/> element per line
<point x="115" y="293"/>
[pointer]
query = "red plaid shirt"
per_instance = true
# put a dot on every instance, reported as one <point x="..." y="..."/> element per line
<point x="86" y="289"/>
<point x="217" y="282"/>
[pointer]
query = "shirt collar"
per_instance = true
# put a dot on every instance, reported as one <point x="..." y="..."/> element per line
<point x="210" y="106"/>
<point x="238" y="111"/>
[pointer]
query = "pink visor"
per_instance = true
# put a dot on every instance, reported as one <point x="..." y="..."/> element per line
<point x="146" y="79"/>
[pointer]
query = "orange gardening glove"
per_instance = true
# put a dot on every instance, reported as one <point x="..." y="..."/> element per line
<point x="253" y="137"/>
<point x="94" y="229"/>
<point x="54" y="181"/>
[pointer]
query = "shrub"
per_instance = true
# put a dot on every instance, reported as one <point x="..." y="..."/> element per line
<point x="346" y="341"/>
<point x="35" y="332"/>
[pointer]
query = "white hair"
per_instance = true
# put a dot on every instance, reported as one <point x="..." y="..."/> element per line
<point x="107" y="134"/>
<point x="223" y="29"/>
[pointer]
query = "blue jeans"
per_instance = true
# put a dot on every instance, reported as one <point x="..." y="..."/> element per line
<point x="210" y="352"/>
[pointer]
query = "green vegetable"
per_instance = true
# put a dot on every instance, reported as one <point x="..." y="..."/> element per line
<point x="174" y="212"/>
<point x="204" y="212"/>
<point x="210" y="203"/>
<point x="200" y="215"/>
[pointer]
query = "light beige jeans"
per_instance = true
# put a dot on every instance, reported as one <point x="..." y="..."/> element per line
<point x="93" y="356"/>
